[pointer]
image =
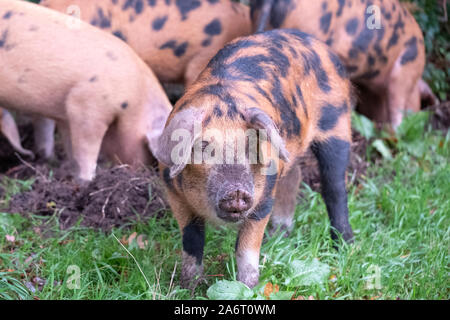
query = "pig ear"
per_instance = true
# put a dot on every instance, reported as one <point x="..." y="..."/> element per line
<point x="183" y="123"/>
<point x="258" y="119"/>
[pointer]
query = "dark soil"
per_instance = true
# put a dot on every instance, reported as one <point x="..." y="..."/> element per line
<point x="115" y="197"/>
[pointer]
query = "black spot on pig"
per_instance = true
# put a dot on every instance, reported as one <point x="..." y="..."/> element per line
<point x="410" y="52"/>
<point x="213" y="28"/>
<point x="341" y="7"/>
<point x="178" y="49"/>
<point x="7" y="15"/>
<point x="351" y="26"/>
<point x="151" y="3"/>
<point x="101" y="20"/>
<point x="291" y="123"/>
<point x="399" y="25"/>
<point x="159" y="23"/>
<point x="3" y="39"/>
<point x="184" y="6"/>
<point x="206" y="42"/>
<point x="120" y="35"/>
<point x="325" y="22"/>
<point x="330" y="115"/>
<point x="137" y="5"/>
<point x="124" y="105"/>
<point x="312" y="62"/>
<point x="93" y="79"/>
<point x="340" y="69"/>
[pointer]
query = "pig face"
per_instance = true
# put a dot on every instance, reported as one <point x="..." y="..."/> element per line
<point x="226" y="175"/>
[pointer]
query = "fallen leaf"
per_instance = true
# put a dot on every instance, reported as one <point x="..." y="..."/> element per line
<point x="269" y="288"/>
<point x="50" y="205"/>
<point x="131" y="237"/>
<point x="333" y="278"/>
<point x="143" y="244"/>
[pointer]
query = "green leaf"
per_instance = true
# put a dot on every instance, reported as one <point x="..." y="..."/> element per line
<point x="363" y="125"/>
<point x="382" y="148"/>
<point x="282" y="295"/>
<point x="413" y="126"/>
<point x="229" y="290"/>
<point x="307" y="273"/>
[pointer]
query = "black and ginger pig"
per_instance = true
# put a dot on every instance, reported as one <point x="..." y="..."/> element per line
<point x="294" y="93"/>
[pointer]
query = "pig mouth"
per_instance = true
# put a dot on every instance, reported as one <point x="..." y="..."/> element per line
<point x="231" y="216"/>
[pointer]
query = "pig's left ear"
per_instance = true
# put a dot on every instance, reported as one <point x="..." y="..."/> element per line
<point x="180" y="126"/>
<point x="258" y="119"/>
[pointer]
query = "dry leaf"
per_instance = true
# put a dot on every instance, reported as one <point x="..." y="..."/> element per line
<point x="269" y="288"/>
<point x="333" y="278"/>
<point x="143" y="244"/>
<point x="132" y="237"/>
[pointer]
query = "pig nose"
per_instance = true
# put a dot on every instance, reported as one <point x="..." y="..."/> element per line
<point x="236" y="201"/>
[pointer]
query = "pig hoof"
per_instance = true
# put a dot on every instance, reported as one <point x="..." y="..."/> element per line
<point x="249" y="276"/>
<point x="191" y="272"/>
<point x="279" y="228"/>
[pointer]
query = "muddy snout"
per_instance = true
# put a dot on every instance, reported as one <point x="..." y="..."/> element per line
<point x="235" y="203"/>
<point x="231" y="191"/>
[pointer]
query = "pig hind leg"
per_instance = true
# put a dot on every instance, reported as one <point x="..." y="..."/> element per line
<point x="88" y="123"/>
<point x="285" y="201"/>
<point x="44" y="136"/>
<point x="333" y="157"/>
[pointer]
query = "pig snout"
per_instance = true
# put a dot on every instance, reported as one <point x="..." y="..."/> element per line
<point x="231" y="191"/>
<point x="236" y="202"/>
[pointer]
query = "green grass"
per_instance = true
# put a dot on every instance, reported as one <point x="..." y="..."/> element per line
<point x="400" y="215"/>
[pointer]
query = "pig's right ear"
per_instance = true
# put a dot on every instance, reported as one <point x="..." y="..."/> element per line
<point x="178" y="134"/>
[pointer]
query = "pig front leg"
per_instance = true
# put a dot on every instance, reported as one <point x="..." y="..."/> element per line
<point x="193" y="245"/>
<point x="193" y="239"/>
<point x="248" y="248"/>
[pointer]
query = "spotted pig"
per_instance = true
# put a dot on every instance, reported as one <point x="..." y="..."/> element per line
<point x="378" y="41"/>
<point x="176" y="38"/>
<point x="293" y="93"/>
<point x="93" y="85"/>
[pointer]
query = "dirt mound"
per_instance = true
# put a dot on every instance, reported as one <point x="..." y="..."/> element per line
<point x="115" y="197"/>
